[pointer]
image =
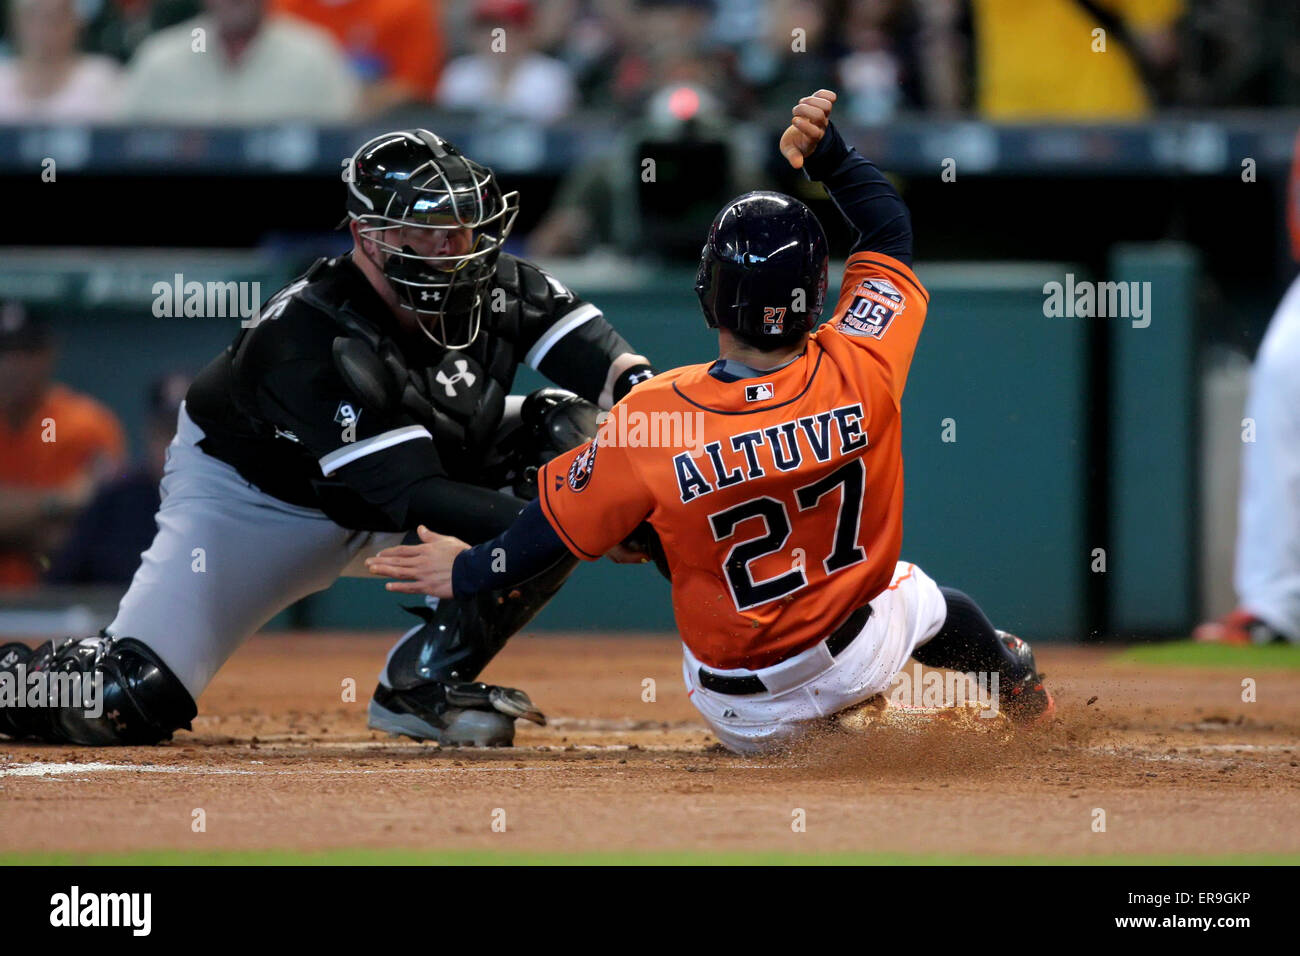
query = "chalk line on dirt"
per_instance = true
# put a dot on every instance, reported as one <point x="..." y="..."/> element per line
<point x="72" y="770"/>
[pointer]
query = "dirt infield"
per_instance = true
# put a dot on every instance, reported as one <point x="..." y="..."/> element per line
<point x="1178" y="762"/>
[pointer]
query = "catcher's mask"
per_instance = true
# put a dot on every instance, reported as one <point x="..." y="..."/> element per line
<point x="441" y="221"/>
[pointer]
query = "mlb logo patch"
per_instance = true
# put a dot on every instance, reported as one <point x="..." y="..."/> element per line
<point x="876" y="303"/>
<point x="759" y="393"/>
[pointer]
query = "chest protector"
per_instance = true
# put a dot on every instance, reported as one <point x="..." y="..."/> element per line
<point x="459" y="395"/>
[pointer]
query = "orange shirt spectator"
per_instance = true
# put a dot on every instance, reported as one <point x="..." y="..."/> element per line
<point x="395" y="46"/>
<point x="55" y="446"/>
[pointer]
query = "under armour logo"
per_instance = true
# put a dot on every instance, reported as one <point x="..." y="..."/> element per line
<point x="115" y="717"/>
<point x="636" y="378"/>
<point x="463" y="374"/>
<point x="426" y="295"/>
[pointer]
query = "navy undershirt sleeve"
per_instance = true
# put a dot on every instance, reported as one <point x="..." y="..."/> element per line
<point x="866" y="199"/>
<point x="524" y="549"/>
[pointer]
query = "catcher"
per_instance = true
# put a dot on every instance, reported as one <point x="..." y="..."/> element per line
<point x="782" y="536"/>
<point x="371" y="397"/>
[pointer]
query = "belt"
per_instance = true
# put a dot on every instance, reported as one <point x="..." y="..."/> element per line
<point x="839" y="639"/>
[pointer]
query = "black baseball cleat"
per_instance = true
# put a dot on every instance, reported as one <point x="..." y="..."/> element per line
<point x="20" y="722"/>
<point x="11" y="657"/>
<point x="453" y="714"/>
<point x="1026" y="701"/>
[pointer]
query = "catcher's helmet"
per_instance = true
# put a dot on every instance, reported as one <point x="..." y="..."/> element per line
<point x="763" y="269"/>
<point x="414" y="179"/>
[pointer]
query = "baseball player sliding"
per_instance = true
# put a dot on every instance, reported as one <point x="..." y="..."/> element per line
<point x="782" y="534"/>
<point x="371" y="398"/>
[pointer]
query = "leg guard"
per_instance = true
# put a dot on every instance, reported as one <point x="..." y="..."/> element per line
<point x="427" y="689"/>
<point x="459" y="637"/>
<point x="136" y="699"/>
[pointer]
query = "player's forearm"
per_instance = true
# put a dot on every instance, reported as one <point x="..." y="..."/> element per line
<point x="526" y="548"/>
<point x="865" y="198"/>
<point x="596" y="362"/>
<point x="625" y="372"/>
<point x="454" y="508"/>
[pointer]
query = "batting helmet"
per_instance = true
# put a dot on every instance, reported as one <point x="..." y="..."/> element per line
<point x="763" y="270"/>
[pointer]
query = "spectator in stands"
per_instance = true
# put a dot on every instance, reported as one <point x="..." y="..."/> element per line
<point x="900" y="54"/>
<point x="108" y="537"/>
<point x="871" y="74"/>
<point x="395" y="46"/>
<point x="116" y="28"/>
<point x="56" y="447"/>
<point x="1044" y="60"/>
<point x="589" y="42"/>
<point x="49" y="79"/>
<point x="778" y="49"/>
<point x="1239" y="53"/>
<point x="506" y="72"/>
<point x="666" y="43"/>
<point x="603" y="203"/>
<point x="236" y="64"/>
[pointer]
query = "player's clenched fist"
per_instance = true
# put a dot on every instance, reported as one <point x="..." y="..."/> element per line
<point x="807" y="126"/>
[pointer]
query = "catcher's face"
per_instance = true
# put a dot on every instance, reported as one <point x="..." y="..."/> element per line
<point x="431" y="242"/>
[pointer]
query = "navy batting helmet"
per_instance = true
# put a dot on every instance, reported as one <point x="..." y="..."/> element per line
<point x="763" y="270"/>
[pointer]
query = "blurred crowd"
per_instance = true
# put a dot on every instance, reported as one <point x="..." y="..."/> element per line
<point x="73" y="509"/>
<point x="248" y="61"/>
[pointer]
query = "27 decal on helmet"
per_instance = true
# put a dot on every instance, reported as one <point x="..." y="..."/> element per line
<point x="440" y="218"/>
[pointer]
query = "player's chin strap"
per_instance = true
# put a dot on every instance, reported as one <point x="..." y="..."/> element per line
<point x="94" y="691"/>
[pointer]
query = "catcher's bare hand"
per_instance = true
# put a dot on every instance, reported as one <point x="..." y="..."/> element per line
<point x="423" y="568"/>
<point x="808" y="122"/>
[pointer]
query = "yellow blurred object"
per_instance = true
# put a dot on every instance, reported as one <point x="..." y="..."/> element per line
<point x="1038" y="59"/>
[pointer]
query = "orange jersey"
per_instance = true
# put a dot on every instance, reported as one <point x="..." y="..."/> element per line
<point x="384" y="39"/>
<point x="69" y="436"/>
<point x="778" y="499"/>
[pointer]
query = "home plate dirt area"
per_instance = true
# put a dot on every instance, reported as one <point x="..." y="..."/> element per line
<point x="279" y="760"/>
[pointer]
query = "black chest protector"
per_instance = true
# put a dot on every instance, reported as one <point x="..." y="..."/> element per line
<point x="458" y="395"/>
